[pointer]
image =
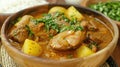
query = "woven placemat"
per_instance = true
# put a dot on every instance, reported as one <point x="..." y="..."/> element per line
<point x="7" y="61"/>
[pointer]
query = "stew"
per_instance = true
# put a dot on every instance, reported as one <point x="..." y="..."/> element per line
<point x="59" y="34"/>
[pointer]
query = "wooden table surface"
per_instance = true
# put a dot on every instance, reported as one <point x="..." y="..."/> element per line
<point x="116" y="53"/>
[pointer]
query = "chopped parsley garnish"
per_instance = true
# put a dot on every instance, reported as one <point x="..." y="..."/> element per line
<point x="79" y="28"/>
<point x="51" y="22"/>
<point x="73" y="21"/>
<point x="65" y="18"/>
<point x="50" y="35"/>
<point x="58" y="14"/>
<point x="92" y="43"/>
<point x="29" y="30"/>
<point x="17" y="20"/>
<point x="15" y="33"/>
<point x="69" y="56"/>
<point x="71" y="27"/>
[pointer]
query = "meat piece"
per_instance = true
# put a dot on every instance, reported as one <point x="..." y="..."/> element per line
<point x="36" y="28"/>
<point x="61" y="22"/>
<point x="24" y="21"/>
<point x="90" y="38"/>
<point x="67" y="40"/>
<point x="84" y="24"/>
<point x="19" y="34"/>
<point x="94" y="48"/>
<point x="92" y="26"/>
<point x="89" y="25"/>
<point x="52" y="32"/>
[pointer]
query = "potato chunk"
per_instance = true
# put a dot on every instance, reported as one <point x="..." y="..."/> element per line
<point x="84" y="51"/>
<point x="57" y="9"/>
<point x="73" y="13"/>
<point x="30" y="47"/>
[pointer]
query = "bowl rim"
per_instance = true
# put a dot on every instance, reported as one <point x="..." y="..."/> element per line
<point x="8" y="44"/>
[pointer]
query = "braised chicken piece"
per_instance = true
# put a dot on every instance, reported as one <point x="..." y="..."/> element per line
<point x="19" y="32"/>
<point x="36" y="28"/>
<point x="23" y="21"/>
<point x="25" y="28"/>
<point x="67" y="40"/>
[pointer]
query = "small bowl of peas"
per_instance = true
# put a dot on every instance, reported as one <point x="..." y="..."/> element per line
<point x="110" y="8"/>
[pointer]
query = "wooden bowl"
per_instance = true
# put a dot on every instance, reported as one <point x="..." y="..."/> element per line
<point x="93" y="60"/>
